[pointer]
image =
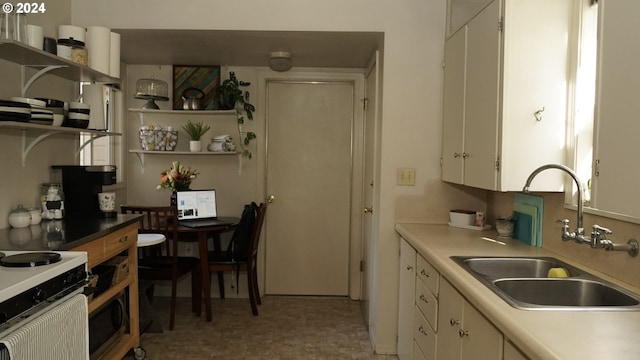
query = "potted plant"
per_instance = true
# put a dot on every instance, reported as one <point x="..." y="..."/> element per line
<point x="195" y="131"/>
<point x="230" y="95"/>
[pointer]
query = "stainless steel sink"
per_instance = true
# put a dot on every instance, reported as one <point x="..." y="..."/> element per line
<point x="564" y="292"/>
<point x="514" y="267"/>
<point x="523" y="283"/>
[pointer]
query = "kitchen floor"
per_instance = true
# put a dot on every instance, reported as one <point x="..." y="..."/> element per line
<point x="300" y="328"/>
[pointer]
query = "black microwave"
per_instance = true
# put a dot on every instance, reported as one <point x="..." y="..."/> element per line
<point x="107" y="324"/>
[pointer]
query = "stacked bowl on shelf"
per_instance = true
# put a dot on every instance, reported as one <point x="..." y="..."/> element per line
<point x="57" y="107"/>
<point x="78" y="115"/>
<point x="44" y="111"/>
<point x="14" y="111"/>
<point x="39" y="113"/>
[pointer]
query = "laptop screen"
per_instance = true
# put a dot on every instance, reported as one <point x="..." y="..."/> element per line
<point x="196" y="204"/>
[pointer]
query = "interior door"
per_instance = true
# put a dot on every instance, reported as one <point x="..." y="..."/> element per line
<point x="309" y="165"/>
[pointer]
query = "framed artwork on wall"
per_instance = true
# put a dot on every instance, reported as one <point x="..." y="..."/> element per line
<point x="187" y="78"/>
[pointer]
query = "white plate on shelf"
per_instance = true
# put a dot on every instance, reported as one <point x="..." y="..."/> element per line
<point x="34" y="102"/>
<point x="469" y="227"/>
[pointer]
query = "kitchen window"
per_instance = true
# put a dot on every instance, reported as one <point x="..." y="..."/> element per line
<point x="583" y="93"/>
<point x="107" y="150"/>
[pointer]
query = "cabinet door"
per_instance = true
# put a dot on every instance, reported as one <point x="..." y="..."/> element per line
<point x="511" y="352"/>
<point x="482" y="99"/>
<point x="453" y="107"/>
<point x="535" y="77"/>
<point x="617" y="127"/>
<point x="480" y="339"/>
<point x="449" y="321"/>
<point x="406" y="300"/>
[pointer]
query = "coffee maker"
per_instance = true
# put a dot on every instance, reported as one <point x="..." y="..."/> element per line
<point x="81" y="186"/>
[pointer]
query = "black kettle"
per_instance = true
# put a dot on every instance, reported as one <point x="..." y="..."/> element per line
<point x="193" y="101"/>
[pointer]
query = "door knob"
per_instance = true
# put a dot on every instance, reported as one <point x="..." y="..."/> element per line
<point x="271" y="198"/>
<point x="368" y="210"/>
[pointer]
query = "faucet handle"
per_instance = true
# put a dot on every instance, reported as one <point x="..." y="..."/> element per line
<point x="565" y="222"/>
<point x="601" y="230"/>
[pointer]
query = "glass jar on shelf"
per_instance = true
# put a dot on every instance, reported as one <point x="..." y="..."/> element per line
<point x="52" y="200"/>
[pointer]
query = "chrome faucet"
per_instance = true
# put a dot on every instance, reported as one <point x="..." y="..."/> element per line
<point x="598" y="238"/>
<point x="578" y="235"/>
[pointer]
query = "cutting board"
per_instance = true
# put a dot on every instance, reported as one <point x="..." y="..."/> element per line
<point x="523" y="228"/>
<point x="533" y="212"/>
<point x="538" y="202"/>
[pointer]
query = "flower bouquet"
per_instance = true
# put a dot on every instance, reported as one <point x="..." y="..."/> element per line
<point x="177" y="178"/>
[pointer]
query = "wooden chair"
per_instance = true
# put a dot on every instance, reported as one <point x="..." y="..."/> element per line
<point x="166" y="265"/>
<point x="220" y="261"/>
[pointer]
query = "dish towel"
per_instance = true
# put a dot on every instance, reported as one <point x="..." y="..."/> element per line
<point x="60" y="333"/>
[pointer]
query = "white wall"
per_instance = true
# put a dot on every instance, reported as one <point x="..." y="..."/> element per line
<point x="21" y="185"/>
<point x="411" y="104"/>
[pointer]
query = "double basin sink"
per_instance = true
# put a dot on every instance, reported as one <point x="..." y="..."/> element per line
<point x="524" y="283"/>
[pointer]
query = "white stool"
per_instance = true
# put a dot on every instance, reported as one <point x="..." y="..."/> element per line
<point x="150" y="239"/>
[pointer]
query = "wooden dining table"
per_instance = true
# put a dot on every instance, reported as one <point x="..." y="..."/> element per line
<point x="202" y="234"/>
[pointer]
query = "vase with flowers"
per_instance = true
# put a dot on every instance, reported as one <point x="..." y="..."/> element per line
<point x="177" y="178"/>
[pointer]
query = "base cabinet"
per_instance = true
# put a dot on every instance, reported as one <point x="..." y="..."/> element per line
<point x="406" y="301"/>
<point x="99" y="251"/>
<point x="435" y="321"/>
<point x="418" y="306"/>
<point x="463" y="333"/>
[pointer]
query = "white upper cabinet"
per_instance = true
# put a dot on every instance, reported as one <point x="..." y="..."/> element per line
<point x="455" y="57"/>
<point x="505" y="95"/>
<point x="615" y="181"/>
<point x="459" y="12"/>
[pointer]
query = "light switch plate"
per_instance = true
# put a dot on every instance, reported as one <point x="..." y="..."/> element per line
<point x="406" y="176"/>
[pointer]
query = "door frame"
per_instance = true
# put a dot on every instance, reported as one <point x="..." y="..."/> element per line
<point x="369" y="245"/>
<point x="357" y="148"/>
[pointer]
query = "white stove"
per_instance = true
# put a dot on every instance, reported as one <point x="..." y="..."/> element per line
<point x="17" y="280"/>
<point x="42" y="305"/>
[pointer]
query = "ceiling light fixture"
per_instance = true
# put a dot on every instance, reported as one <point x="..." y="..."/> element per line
<point x="280" y="61"/>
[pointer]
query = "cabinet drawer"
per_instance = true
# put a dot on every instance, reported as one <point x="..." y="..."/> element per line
<point x="109" y="245"/>
<point x="119" y="241"/>
<point x="427" y="274"/>
<point x="427" y="303"/>
<point x="424" y="335"/>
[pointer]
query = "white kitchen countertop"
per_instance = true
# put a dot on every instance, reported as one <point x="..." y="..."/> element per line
<point x="540" y="334"/>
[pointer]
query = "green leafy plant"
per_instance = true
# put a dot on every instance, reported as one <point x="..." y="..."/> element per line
<point x="227" y="96"/>
<point x="195" y="130"/>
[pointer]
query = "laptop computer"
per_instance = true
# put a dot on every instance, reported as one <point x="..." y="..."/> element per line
<point x="197" y="208"/>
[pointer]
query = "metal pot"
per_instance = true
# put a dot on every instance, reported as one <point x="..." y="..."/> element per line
<point x="192" y="102"/>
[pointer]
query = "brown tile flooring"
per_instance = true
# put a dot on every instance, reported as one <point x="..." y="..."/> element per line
<point x="299" y="328"/>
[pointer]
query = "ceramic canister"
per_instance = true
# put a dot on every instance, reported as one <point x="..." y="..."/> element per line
<point x="99" y="45"/>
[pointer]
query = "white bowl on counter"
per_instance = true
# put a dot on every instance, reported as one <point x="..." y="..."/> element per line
<point x="19" y="217"/>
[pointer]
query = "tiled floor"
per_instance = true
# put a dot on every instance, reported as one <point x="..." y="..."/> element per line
<point x="299" y="328"/>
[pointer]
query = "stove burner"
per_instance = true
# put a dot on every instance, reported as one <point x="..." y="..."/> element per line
<point x="30" y="259"/>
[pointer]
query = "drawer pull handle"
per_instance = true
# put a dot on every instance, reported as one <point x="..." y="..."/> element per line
<point x="422" y="330"/>
<point x="463" y="333"/>
<point x="424" y="273"/>
<point x="124" y="239"/>
<point x="424" y="298"/>
<point x="409" y="267"/>
<point x="453" y="322"/>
